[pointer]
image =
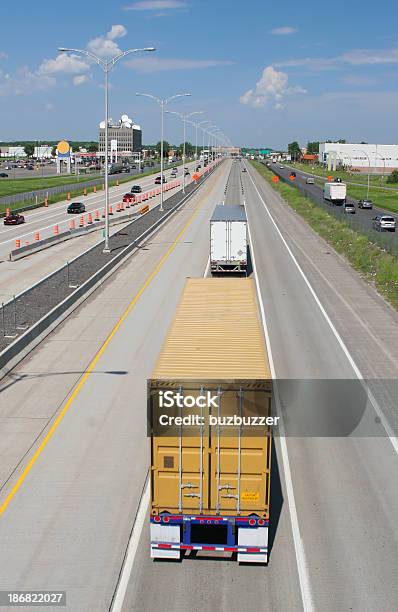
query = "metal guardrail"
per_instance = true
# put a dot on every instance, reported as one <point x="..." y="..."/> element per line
<point x="38" y="196"/>
<point x="31" y="336"/>
<point x="385" y="240"/>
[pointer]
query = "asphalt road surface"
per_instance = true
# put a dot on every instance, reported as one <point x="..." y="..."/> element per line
<point x="364" y="217"/>
<point x="43" y="219"/>
<point x="66" y="517"/>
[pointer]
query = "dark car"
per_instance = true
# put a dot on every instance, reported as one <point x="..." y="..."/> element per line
<point x="136" y="189"/>
<point x="29" y="167"/>
<point x="158" y="180"/>
<point x="198" y="167"/>
<point x="76" y="208"/>
<point x="337" y="180"/>
<point x="129" y="197"/>
<point x="365" y="204"/>
<point x="244" y="170"/>
<point x="14" y="219"/>
<point x="349" y="208"/>
<point x="187" y="172"/>
<point x="3" y="174"/>
<point x="293" y="174"/>
<point x="134" y="167"/>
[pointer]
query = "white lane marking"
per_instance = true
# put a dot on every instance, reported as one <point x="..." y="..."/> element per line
<point x="125" y="575"/>
<point x="113" y="198"/>
<point x="207" y="268"/>
<point x="302" y="567"/>
<point x="146" y="184"/>
<point x="131" y="550"/>
<point x="389" y="431"/>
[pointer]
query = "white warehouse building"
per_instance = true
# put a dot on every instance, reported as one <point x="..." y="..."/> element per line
<point x="378" y="157"/>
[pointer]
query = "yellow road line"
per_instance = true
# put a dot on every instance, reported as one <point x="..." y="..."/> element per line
<point x="91" y="366"/>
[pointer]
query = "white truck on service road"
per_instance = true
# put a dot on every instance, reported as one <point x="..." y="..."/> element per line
<point x="228" y="240"/>
<point x="336" y="193"/>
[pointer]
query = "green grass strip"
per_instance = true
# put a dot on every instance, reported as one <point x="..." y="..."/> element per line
<point x="378" y="267"/>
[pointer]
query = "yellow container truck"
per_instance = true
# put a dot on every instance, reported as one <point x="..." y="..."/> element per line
<point x="210" y="426"/>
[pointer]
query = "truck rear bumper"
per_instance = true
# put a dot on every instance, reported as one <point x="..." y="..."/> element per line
<point x="239" y="267"/>
<point x="249" y="542"/>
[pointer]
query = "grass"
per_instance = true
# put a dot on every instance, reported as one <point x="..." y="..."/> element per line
<point x="387" y="199"/>
<point x="25" y="204"/>
<point x="355" y="177"/>
<point x="22" y="185"/>
<point x="375" y="265"/>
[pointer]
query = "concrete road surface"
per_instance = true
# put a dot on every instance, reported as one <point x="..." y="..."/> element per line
<point x="65" y="522"/>
<point x="43" y="219"/>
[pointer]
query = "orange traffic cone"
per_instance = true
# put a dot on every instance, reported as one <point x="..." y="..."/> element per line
<point x="81" y="224"/>
<point x="95" y="189"/>
<point x="90" y="218"/>
<point x="37" y="236"/>
<point x="68" y="195"/>
<point x="56" y="230"/>
<point x="17" y="244"/>
<point x="97" y="217"/>
<point x="72" y="224"/>
<point x="110" y="210"/>
<point x="85" y="191"/>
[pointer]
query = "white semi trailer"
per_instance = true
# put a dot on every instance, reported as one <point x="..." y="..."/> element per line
<point x="228" y="240"/>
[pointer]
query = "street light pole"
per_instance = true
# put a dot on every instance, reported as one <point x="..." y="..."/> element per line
<point x="366" y="155"/>
<point x="184" y="120"/>
<point x="162" y="102"/>
<point x="106" y="66"/>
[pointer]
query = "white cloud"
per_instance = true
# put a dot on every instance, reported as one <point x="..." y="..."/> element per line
<point x="24" y="82"/>
<point x="272" y="88"/>
<point x="360" y="57"/>
<point x="158" y="64"/>
<point x="64" y="63"/>
<point x="355" y="57"/>
<point x="105" y="46"/>
<point x="80" y="79"/>
<point x="283" y="31"/>
<point x="3" y="55"/>
<point x="155" y="5"/>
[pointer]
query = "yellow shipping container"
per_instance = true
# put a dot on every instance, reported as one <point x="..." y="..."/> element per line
<point x="209" y="415"/>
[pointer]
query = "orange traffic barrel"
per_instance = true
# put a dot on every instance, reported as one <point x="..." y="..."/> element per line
<point x="17" y="244"/>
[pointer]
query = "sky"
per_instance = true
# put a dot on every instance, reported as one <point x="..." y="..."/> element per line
<point x="265" y="73"/>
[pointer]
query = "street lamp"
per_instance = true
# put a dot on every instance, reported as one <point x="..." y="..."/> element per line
<point x="200" y="125"/>
<point x="184" y="120"/>
<point x="106" y="66"/>
<point x="162" y="102"/>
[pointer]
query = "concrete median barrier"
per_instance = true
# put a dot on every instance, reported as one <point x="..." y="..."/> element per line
<point x="29" y="339"/>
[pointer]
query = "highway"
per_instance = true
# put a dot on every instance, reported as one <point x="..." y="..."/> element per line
<point x="364" y="217"/>
<point x="44" y="219"/>
<point x="75" y="454"/>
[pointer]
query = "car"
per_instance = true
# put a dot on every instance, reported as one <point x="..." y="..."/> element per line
<point x="293" y="174"/>
<point x="310" y="180"/>
<point x="384" y="223"/>
<point x="349" y="208"/>
<point x="244" y="170"/>
<point x="75" y="208"/>
<point x="14" y="219"/>
<point x="136" y="189"/>
<point x="29" y="167"/>
<point x="158" y="180"/>
<point x="337" y="179"/>
<point x="365" y="204"/>
<point x="129" y="197"/>
<point x="198" y="167"/>
<point x="281" y="167"/>
<point x="187" y="172"/>
<point x="134" y="167"/>
<point x="3" y="174"/>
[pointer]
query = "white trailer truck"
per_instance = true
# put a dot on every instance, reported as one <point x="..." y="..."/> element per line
<point x="228" y="240"/>
<point x="335" y="193"/>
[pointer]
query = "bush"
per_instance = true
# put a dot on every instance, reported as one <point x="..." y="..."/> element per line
<point x="393" y="178"/>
